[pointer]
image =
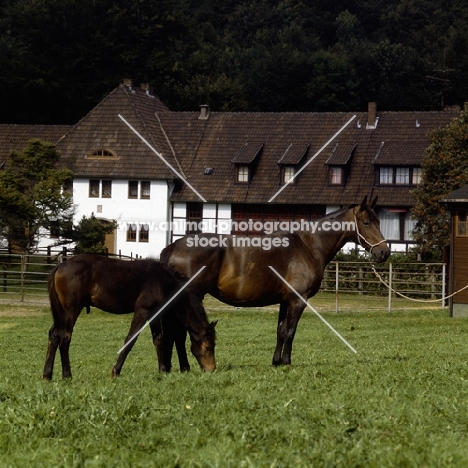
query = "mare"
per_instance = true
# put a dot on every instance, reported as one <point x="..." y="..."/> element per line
<point x="240" y="276"/>
<point x="121" y="287"/>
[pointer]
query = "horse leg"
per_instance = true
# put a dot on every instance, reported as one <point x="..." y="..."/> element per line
<point x="163" y="344"/>
<point x="295" y="309"/>
<point x="280" y="334"/>
<point x="139" y="318"/>
<point x="60" y="337"/>
<point x="64" y="347"/>
<point x="173" y="331"/>
<point x="51" y="351"/>
<point x="180" y="337"/>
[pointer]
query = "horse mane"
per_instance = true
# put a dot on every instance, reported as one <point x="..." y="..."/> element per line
<point x="335" y="214"/>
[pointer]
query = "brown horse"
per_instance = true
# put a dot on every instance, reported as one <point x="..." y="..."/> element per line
<point x="122" y="287"/>
<point x="240" y="276"/>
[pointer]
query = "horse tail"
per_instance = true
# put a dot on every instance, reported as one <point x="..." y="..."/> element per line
<point x="55" y="304"/>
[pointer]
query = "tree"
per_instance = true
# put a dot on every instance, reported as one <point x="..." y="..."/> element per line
<point x="32" y="199"/>
<point x="90" y="235"/>
<point x="445" y="169"/>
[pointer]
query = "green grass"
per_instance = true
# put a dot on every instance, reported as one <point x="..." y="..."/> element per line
<point x="402" y="401"/>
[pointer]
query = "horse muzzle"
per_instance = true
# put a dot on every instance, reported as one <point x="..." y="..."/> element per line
<point x="381" y="253"/>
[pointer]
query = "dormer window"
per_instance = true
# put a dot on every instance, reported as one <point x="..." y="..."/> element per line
<point x="291" y="160"/>
<point x="402" y="176"/>
<point x="339" y="162"/>
<point x="246" y="160"/>
<point x="336" y="175"/>
<point x="416" y="176"/>
<point x="242" y="174"/>
<point x="101" y="153"/>
<point x="390" y="175"/>
<point x="288" y="173"/>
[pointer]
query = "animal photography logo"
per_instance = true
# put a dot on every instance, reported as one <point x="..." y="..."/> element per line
<point x="250" y="233"/>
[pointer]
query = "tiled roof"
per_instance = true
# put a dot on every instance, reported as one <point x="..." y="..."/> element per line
<point x="15" y="137"/>
<point x="294" y="154"/>
<point x="399" y="138"/>
<point x="247" y="153"/>
<point x="265" y="140"/>
<point x="341" y="154"/>
<point x="102" y="128"/>
<point x="457" y="196"/>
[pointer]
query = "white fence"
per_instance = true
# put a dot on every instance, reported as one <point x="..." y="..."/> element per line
<point x="389" y="286"/>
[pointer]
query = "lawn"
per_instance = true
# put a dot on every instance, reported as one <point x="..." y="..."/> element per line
<point x="402" y="401"/>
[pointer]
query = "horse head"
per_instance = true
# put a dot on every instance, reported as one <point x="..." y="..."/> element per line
<point x="367" y="231"/>
<point x="203" y="346"/>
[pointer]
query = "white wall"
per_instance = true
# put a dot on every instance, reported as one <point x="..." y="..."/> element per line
<point x="152" y="211"/>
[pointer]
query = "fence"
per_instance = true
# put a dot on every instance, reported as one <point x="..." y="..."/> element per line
<point x="355" y="285"/>
<point x="346" y="285"/>
<point x="23" y="278"/>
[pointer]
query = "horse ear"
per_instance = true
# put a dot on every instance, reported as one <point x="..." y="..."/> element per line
<point x="213" y="324"/>
<point x="374" y="202"/>
<point x="364" y="203"/>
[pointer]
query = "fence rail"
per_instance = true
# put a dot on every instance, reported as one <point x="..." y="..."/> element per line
<point x="354" y="285"/>
<point x="346" y="285"/>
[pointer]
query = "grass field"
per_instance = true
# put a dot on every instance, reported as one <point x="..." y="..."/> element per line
<point x="402" y="401"/>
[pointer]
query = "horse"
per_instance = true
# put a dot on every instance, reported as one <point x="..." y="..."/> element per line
<point x="121" y="287"/>
<point x="237" y="273"/>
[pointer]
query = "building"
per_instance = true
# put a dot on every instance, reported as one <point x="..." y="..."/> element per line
<point x="457" y="202"/>
<point x="150" y="169"/>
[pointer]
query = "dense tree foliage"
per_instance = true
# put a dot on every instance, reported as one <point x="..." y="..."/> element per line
<point x="58" y="58"/>
<point x="445" y="169"/>
<point x="32" y="199"/>
<point x="90" y="235"/>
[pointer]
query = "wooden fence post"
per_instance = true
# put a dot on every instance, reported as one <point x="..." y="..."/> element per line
<point x="22" y="263"/>
<point x="390" y="287"/>
<point x="337" y="274"/>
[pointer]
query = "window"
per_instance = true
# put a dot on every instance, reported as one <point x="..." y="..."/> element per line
<point x="402" y="176"/>
<point x="101" y="154"/>
<point x="386" y="175"/>
<point x="96" y="185"/>
<point x="143" y="233"/>
<point x="399" y="175"/>
<point x="417" y="173"/>
<point x="242" y="174"/>
<point x="133" y="189"/>
<point x="396" y="224"/>
<point x="145" y="189"/>
<point x="131" y="233"/>
<point x="390" y="224"/>
<point x="461" y="221"/>
<point x="54" y="229"/>
<point x="194" y="217"/>
<point x="336" y="175"/>
<point x="68" y="187"/>
<point x="288" y="173"/>
<point x="106" y="188"/>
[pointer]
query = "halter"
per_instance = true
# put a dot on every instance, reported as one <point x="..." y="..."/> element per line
<point x="360" y="236"/>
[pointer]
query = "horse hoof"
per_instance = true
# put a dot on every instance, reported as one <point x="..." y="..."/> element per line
<point x="114" y="373"/>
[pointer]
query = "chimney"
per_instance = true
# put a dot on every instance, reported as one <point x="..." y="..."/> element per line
<point x="128" y="82"/>
<point x="372" y="118"/>
<point x="204" y="112"/>
<point x="148" y="88"/>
